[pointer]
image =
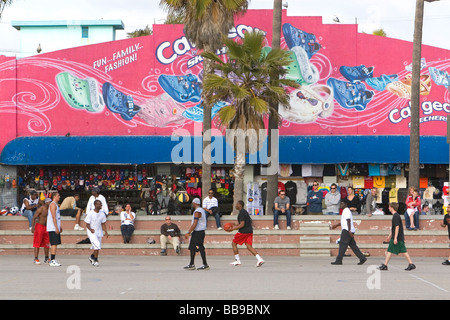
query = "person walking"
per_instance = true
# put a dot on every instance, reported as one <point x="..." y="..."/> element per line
<point x="396" y="239"/>
<point x="244" y="235"/>
<point x="197" y="233"/>
<point x="54" y="228"/>
<point x="95" y="227"/>
<point x="347" y="236"/>
<point x="446" y="223"/>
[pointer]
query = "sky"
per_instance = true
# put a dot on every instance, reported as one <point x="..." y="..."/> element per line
<point x="395" y="17"/>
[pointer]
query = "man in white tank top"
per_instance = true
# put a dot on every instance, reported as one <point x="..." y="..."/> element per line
<point x="54" y="228"/>
<point x="197" y="233"/>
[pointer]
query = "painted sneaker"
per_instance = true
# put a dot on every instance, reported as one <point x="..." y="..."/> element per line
<point x="181" y="88"/>
<point x="380" y="82"/>
<point x="308" y="73"/>
<point x="80" y="94"/>
<point x="360" y="73"/>
<point x="351" y="95"/>
<point x="403" y="88"/>
<point x="196" y="113"/>
<point x="423" y="64"/>
<point x="297" y="38"/>
<point x="308" y="103"/>
<point x="293" y="69"/>
<point x="161" y="111"/>
<point x="441" y="78"/>
<point x="118" y="102"/>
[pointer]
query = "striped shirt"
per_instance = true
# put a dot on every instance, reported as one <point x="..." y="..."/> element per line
<point x="208" y="203"/>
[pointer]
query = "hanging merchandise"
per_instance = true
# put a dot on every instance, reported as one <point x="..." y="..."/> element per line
<point x="254" y="203"/>
<point x="379" y="182"/>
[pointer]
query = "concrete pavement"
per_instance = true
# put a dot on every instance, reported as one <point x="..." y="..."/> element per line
<point x="163" y="278"/>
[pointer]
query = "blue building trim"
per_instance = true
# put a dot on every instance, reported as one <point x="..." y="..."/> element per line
<point x="93" y="150"/>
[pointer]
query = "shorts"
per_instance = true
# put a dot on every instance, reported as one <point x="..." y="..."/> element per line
<point x="69" y="212"/>
<point x="96" y="242"/>
<point x="241" y="238"/>
<point x="396" y="248"/>
<point x="55" y="239"/>
<point x="197" y="239"/>
<point x="40" y="238"/>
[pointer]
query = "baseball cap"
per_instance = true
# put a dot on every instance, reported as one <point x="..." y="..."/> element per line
<point x="196" y="200"/>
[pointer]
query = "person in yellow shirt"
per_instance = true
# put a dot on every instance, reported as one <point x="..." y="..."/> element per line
<point x="69" y="208"/>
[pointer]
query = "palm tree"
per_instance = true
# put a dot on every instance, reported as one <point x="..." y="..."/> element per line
<point x="205" y="22"/>
<point x="3" y="4"/>
<point x="272" y="170"/>
<point x="140" y="32"/>
<point x="247" y="83"/>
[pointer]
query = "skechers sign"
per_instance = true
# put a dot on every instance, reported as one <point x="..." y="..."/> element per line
<point x="182" y="45"/>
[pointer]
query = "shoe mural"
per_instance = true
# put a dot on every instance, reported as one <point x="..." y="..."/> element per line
<point x="351" y="95"/>
<point x="402" y="88"/>
<point x="153" y="85"/>
<point x="80" y="93"/>
<point x="118" y="102"/>
<point x="184" y="88"/>
<point x="440" y="77"/>
<point x="309" y="103"/>
<point x="295" y="37"/>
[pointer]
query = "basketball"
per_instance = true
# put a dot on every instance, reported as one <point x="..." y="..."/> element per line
<point x="228" y="226"/>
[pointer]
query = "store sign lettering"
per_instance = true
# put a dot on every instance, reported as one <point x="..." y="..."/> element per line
<point x="428" y="107"/>
<point x="182" y="45"/>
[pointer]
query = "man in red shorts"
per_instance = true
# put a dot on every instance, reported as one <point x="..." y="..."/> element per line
<point x="39" y="229"/>
<point x="244" y="235"/>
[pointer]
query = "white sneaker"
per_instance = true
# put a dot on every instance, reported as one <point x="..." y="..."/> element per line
<point x="54" y="263"/>
<point x="95" y="263"/>
<point x="289" y="228"/>
<point x="235" y="263"/>
<point x="78" y="228"/>
<point x="219" y="228"/>
<point x="259" y="263"/>
<point x="276" y="227"/>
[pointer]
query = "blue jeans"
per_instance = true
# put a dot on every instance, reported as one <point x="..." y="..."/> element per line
<point x="278" y="212"/>
<point x="331" y="213"/>
<point x="216" y="216"/>
<point x="408" y="221"/>
<point x="29" y="214"/>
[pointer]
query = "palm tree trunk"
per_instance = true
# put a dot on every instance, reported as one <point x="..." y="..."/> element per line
<point x="206" y="157"/>
<point x="414" y="145"/>
<point x="272" y="174"/>
<point x="239" y="170"/>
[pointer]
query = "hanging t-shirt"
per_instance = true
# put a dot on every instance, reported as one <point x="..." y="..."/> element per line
<point x="291" y="191"/>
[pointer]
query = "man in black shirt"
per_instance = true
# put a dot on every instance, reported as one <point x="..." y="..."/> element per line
<point x="170" y="233"/>
<point x="396" y="239"/>
<point x="244" y="235"/>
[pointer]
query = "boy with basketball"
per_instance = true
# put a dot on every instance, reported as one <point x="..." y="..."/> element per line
<point x="244" y="235"/>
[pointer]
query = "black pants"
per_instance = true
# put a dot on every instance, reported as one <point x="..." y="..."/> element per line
<point x="345" y="242"/>
<point x="196" y="244"/>
<point x="127" y="231"/>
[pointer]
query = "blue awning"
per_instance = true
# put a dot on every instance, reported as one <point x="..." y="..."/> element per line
<point x="94" y="150"/>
